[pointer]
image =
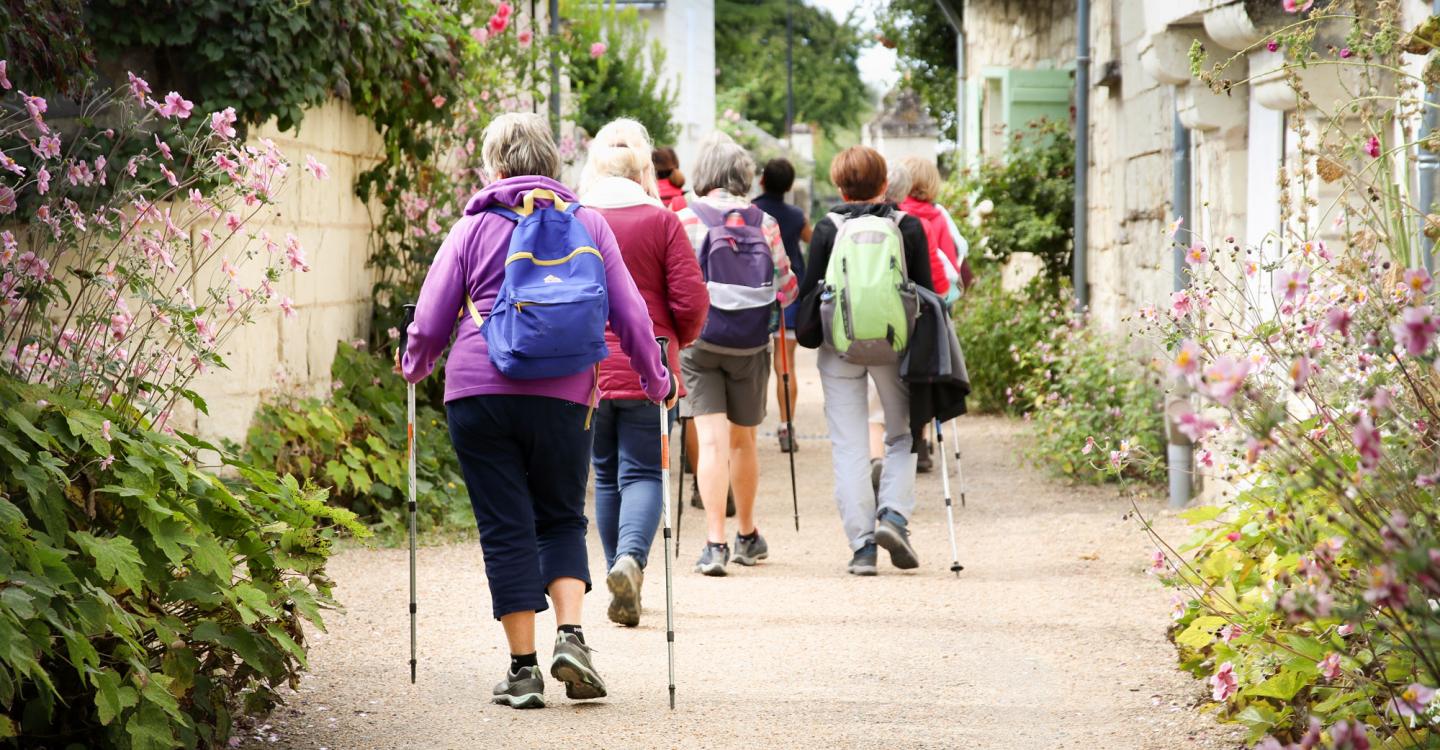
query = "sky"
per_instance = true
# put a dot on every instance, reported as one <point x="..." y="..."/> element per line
<point x="877" y="64"/>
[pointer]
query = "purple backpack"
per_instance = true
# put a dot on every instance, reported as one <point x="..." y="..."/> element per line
<point x="739" y="274"/>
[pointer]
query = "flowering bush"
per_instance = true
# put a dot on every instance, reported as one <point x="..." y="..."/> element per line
<point x="142" y="599"/>
<point x="1002" y="334"/>
<point x="353" y="441"/>
<point x="1308" y="601"/>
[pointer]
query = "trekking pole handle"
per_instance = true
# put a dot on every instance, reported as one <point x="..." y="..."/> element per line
<point x="409" y="317"/>
<point x="665" y="365"/>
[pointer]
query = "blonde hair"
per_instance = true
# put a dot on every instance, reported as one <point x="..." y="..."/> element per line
<point x="620" y="149"/>
<point x="724" y="164"/>
<point x="924" y="178"/>
<point x="519" y="143"/>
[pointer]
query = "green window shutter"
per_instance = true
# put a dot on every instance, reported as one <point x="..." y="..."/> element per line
<point x="1033" y="94"/>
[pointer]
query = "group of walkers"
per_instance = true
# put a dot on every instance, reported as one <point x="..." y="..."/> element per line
<point x="555" y="305"/>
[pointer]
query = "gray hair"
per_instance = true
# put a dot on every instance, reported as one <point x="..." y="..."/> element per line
<point x="519" y="143"/>
<point x="723" y="164"/>
<point x="620" y="149"/>
<point x="898" y="184"/>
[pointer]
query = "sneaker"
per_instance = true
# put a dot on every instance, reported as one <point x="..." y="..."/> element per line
<point x="713" y="559"/>
<point x="523" y="689"/>
<point x="572" y="666"/>
<point x="750" y="551"/>
<point x="892" y="534"/>
<point x="924" y="462"/>
<point x="877" y="467"/>
<point x="787" y="441"/>
<point x="695" y="499"/>
<point x="624" y="581"/>
<point x="863" y="563"/>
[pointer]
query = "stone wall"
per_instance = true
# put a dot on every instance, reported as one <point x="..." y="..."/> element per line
<point x="332" y="300"/>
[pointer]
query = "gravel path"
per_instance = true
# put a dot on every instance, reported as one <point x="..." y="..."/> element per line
<point x="1052" y="637"/>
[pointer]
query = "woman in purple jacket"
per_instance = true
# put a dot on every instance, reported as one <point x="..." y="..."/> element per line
<point x="524" y="445"/>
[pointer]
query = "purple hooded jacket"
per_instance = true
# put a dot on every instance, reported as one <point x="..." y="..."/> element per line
<point x="472" y="260"/>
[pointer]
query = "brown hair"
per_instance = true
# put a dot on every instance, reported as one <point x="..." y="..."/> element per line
<point x="859" y="172"/>
<point x="924" y="178"/>
<point x="667" y="166"/>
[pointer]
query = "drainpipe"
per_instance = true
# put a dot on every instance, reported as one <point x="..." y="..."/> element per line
<point x="1179" y="449"/>
<point x="1429" y="165"/>
<point x="555" y="68"/>
<point x="955" y="16"/>
<point x="1082" y="155"/>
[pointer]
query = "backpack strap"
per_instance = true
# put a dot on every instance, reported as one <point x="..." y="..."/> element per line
<point x="710" y="216"/>
<point x="474" y="314"/>
<point x="527" y="206"/>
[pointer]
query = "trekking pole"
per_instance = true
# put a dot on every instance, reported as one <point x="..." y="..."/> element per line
<point x="955" y="565"/>
<point x="959" y="465"/>
<point x="680" y="489"/>
<point x="789" y="420"/>
<point x="665" y="492"/>
<point x="410" y="451"/>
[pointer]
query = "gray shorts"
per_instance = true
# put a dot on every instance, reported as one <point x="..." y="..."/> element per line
<point x="729" y="384"/>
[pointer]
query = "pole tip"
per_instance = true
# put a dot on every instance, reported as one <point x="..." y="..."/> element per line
<point x="412" y="671"/>
<point x="672" y="697"/>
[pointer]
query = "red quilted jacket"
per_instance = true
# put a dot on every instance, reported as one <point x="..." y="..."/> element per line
<point x="662" y="262"/>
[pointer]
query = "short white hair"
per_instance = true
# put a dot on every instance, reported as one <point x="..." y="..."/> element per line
<point x="722" y="163"/>
<point x="620" y="149"/>
<point x="519" y="143"/>
<point x="898" y="181"/>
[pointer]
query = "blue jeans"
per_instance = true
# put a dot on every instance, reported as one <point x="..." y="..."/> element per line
<point x="627" y="477"/>
<point x="524" y="463"/>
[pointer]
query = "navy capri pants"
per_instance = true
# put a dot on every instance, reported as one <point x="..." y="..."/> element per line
<point x="526" y="461"/>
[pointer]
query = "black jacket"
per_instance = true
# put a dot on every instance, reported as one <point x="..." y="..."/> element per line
<point x="934" y="367"/>
<point x="808" y="332"/>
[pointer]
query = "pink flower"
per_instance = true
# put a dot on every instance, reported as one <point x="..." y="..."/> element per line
<point x="1230" y="632"/>
<point x="524" y="37"/>
<point x="597" y="50"/>
<point x="105" y="430"/>
<point x="49" y="147"/>
<point x="10" y="165"/>
<point x="1416" y="329"/>
<point x="1300" y="371"/>
<point x="1195" y="427"/>
<point x="1272" y="45"/>
<point x="228" y="268"/>
<point x="4" y="77"/>
<point x="1225" y="377"/>
<point x="1089" y="445"/>
<point x="1197" y="256"/>
<point x="7" y="200"/>
<point x="1346" y="53"/>
<point x="107" y="461"/>
<point x="204" y="329"/>
<point x="503" y="10"/>
<point x="42" y="180"/>
<point x="1180" y="304"/>
<point x="1206" y="459"/>
<point x="138" y="86"/>
<point x="1345" y="629"/>
<point x="1366" y="438"/>
<point x="119" y="325"/>
<point x="1292" y="286"/>
<point x="36" y="106"/>
<point x="316" y="168"/>
<point x="1413" y="701"/>
<point x="197" y="198"/>
<point x="287" y="307"/>
<point x="1338" y="319"/>
<point x="1330" y="666"/>
<point x="294" y="253"/>
<point x="1372" y="147"/>
<point x="1349" y="736"/>
<point x="233" y="222"/>
<point x="1187" y="359"/>
<point x="1417" y="282"/>
<point x="223" y="123"/>
<point x="438" y="101"/>
<point x="498" y="24"/>
<point x="176" y="106"/>
<point x="1157" y="562"/>
<point x="169" y="176"/>
<point x="1223" y="684"/>
<point x="479" y="35"/>
<point x="1296" y="6"/>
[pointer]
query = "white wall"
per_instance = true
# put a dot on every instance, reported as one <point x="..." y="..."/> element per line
<point x="686" y="30"/>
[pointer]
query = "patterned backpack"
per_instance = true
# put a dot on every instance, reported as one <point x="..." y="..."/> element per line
<point x="739" y="274"/>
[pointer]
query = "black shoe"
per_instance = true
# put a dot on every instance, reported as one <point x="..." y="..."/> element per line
<point x="523" y="689"/>
<point x="877" y="467"/>
<point x="713" y="559"/>
<point x="863" y="563"/>
<point x="696" y="503"/>
<point x="924" y="462"/>
<point x="750" y="551"/>
<point x="625" y="580"/>
<point x="787" y="441"/>
<point x="571" y="665"/>
<point x="892" y="534"/>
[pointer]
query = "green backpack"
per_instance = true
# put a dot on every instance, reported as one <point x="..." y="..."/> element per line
<point x="869" y="305"/>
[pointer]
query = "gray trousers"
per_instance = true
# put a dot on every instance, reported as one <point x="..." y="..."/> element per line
<point x="847" y="412"/>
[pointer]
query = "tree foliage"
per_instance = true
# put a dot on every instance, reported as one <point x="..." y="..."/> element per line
<point x="750" y="55"/>
<point x="614" y="72"/>
<point x="924" y="43"/>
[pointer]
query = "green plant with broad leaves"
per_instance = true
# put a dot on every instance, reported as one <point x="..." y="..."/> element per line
<point x="1002" y="334"/>
<point x="353" y="442"/>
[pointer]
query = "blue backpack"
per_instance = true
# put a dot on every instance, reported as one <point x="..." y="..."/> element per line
<point x="549" y="317"/>
<point x="739" y="274"/>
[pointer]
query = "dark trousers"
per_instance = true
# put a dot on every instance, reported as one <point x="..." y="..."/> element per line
<point x="526" y="462"/>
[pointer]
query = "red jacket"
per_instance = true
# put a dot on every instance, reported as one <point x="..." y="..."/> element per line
<point x="673" y="197"/>
<point x="663" y="263"/>
<point x="937" y="233"/>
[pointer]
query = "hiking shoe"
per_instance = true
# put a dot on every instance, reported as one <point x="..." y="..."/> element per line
<point x="892" y="534"/>
<point x="877" y="467"/>
<point x="624" y="581"/>
<point x="523" y="689"/>
<point x="787" y="441"/>
<point x="572" y="666"/>
<point x="924" y="462"/>
<point x="863" y="563"/>
<point x="750" y="551"/>
<point x="695" y="499"/>
<point x="713" y="559"/>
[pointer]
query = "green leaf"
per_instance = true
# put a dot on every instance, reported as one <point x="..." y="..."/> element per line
<point x="149" y="729"/>
<point x="7" y="727"/>
<point x="115" y="558"/>
<point x="1201" y="632"/>
<point x="111" y="697"/>
<point x="1283" y="686"/>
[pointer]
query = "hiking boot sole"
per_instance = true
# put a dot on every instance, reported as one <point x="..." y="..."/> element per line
<point x="624" y="599"/>
<point x="524" y="700"/>
<point x="748" y="561"/>
<point x="902" y="555"/>
<point x="716" y="570"/>
<point x="863" y="570"/>
<point x="581" y="682"/>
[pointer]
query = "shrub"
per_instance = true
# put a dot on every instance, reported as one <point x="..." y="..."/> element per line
<point x="1002" y="334"/>
<point x="353" y="442"/>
